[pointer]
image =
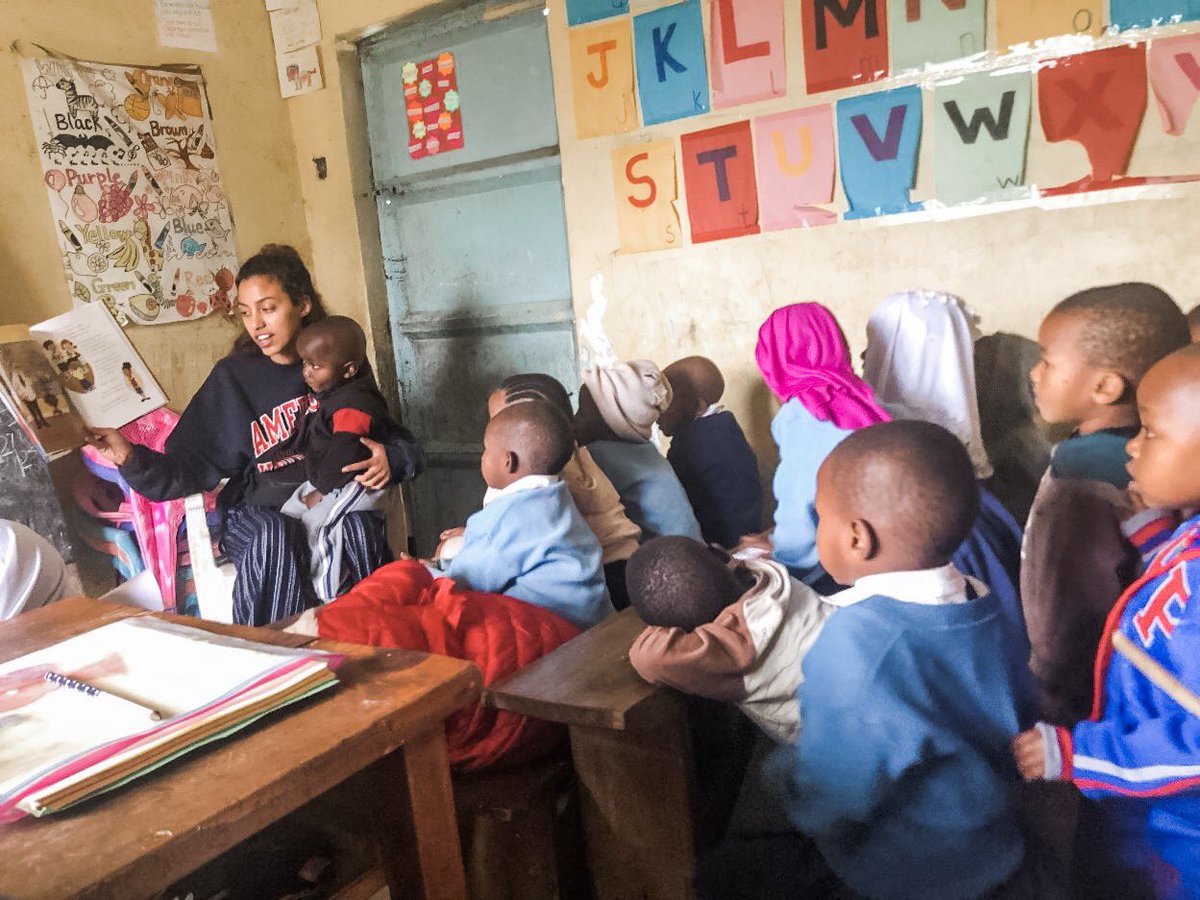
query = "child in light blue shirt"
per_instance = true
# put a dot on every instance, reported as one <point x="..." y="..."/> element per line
<point x="530" y="541"/>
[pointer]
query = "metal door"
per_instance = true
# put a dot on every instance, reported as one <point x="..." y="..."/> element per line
<point x="474" y="241"/>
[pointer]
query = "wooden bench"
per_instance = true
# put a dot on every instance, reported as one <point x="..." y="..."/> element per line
<point x="632" y="755"/>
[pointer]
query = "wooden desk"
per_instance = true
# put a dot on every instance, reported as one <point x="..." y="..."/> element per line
<point x="385" y="718"/>
<point x="632" y="754"/>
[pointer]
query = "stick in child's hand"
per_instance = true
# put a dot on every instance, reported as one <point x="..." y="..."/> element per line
<point x="1156" y="674"/>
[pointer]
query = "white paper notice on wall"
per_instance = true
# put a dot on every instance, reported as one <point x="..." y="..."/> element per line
<point x="295" y="25"/>
<point x="299" y="72"/>
<point x="186" y="24"/>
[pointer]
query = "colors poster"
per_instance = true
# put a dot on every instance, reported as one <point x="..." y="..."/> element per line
<point x="135" y="193"/>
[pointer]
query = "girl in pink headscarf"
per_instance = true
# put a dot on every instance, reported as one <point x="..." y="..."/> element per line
<point x="804" y="360"/>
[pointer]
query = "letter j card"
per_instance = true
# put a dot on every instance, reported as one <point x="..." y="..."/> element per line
<point x="669" y="57"/>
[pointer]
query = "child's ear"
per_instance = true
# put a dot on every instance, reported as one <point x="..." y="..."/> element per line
<point x="1110" y="388"/>
<point x="511" y="462"/>
<point x="864" y="543"/>
<point x="350" y="370"/>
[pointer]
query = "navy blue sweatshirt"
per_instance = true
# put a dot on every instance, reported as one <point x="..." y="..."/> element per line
<point x="327" y="438"/>
<point x="236" y="427"/>
<point x="719" y="472"/>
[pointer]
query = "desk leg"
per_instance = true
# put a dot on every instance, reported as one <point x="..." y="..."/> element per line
<point x="635" y="797"/>
<point x="418" y="835"/>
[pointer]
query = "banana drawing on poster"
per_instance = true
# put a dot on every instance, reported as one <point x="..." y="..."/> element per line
<point x="135" y="193"/>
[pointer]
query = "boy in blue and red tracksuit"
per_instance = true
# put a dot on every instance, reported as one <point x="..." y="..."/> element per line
<point x="1139" y="752"/>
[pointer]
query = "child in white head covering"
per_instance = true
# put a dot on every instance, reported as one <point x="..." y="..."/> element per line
<point x="618" y="406"/>
<point x="920" y="362"/>
<point x="32" y="572"/>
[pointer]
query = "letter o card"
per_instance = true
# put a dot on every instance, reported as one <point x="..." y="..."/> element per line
<point x="602" y="79"/>
<point x="718" y="176"/>
<point x="645" y="190"/>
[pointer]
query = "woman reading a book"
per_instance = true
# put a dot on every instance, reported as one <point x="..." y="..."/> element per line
<point x="233" y="428"/>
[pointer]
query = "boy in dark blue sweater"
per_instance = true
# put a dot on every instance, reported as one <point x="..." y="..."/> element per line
<point x="909" y="695"/>
<point x="710" y="453"/>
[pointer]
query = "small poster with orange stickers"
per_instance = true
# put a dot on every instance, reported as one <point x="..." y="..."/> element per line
<point x="432" y="104"/>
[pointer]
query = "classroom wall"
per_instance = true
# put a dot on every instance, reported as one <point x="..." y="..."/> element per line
<point x="254" y="148"/>
<point x="1011" y="265"/>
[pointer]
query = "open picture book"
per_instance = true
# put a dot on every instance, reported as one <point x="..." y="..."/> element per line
<point x="95" y="711"/>
<point x="75" y="370"/>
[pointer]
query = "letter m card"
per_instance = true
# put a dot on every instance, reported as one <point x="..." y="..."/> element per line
<point x="845" y="42"/>
<point x="671" y="73"/>
<point x="718" y="177"/>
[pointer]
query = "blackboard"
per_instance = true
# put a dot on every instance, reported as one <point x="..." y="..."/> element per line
<point x="26" y="491"/>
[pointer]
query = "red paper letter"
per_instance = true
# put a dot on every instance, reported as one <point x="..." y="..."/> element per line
<point x="640" y="179"/>
<point x="601" y="49"/>
<point x="1097" y="99"/>
<point x="912" y="8"/>
<point x="729" y="42"/>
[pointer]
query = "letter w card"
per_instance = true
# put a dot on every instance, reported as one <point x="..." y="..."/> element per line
<point x="980" y="133"/>
<point x="718" y="177"/>
<point x="671" y="73"/>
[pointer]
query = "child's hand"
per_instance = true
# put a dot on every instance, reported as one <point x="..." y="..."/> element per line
<point x="113" y="445"/>
<point x="374" y="472"/>
<point x="312" y="498"/>
<point x="457" y="531"/>
<point x="1030" y="756"/>
<point x="753" y="545"/>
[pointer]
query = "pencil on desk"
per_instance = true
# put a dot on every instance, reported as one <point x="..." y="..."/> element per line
<point x="92" y="691"/>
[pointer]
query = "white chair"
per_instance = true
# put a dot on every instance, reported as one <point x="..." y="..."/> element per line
<point x="214" y="583"/>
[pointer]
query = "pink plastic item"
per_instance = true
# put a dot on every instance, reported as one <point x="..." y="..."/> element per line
<point x="156" y="524"/>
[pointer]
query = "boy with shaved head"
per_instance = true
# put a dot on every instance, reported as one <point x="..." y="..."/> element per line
<point x="1139" y="751"/>
<point x="1095" y="347"/>
<point x="911" y="690"/>
<point x="530" y="541"/>
<point x="710" y="453"/>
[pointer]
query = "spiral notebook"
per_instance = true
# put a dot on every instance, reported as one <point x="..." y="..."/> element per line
<point x="100" y="709"/>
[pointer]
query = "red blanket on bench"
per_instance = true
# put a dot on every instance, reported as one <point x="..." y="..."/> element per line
<point x="402" y="605"/>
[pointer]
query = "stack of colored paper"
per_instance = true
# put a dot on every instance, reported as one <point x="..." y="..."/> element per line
<point x="102" y="708"/>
